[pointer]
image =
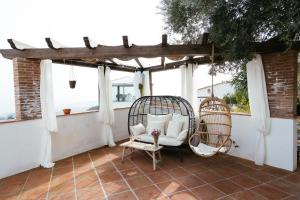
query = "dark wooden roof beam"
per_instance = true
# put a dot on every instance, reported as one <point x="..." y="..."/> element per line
<point x="139" y="63"/>
<point x="14" y="44"/>
<point x="89" y="43"/>
<point x="53" y="44"/>
<point x="126" y="42"/>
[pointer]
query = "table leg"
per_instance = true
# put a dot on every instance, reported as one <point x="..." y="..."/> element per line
<point x="123" y="154"/>
<point x="159" y="155"/>
<point x="154" y="160"/>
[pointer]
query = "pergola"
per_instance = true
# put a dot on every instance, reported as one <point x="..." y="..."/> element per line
<point x="93" y="55"/>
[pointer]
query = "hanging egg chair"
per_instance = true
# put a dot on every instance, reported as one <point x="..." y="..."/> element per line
<point x="214" y="130"/>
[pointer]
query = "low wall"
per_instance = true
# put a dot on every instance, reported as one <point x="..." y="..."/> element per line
<point x="20" y="142"/>
<point x="281" y="147"/>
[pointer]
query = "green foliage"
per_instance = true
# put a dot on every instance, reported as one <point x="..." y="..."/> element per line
<point x="233" y="24"/>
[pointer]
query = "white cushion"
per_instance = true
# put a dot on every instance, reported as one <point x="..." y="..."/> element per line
<point x="165" y="118"/>
<point x="205" y="150"/>
<point x="163" y="140"/>
<point x="137" y="129"/>
<point x="174" y="128"/>
<point x="184" y="119"/>
<point x="156" y="125"/>
<point x="182" y="135"/>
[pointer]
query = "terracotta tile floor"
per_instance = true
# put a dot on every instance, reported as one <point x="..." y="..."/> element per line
<point x="100" y="174"/>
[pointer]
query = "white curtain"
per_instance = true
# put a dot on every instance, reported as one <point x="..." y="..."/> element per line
<point x="106" y="112"/>
<point x="146" y="83"/>
<point x="188" y="83"/>
<point x="137" y="80"/>
<point x="144" y="79"/>
<point x="48" y="112"/>
<point x="259" y="105"/>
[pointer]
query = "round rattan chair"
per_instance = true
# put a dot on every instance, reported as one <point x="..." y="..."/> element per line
<point x="160" y="105"/>
<point x="214" y="131"/>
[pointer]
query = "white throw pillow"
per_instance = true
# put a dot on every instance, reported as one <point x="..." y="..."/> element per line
<point x="138" y="129"/>
<point x="182" y="135"/>
<point x="157" y="125"/>
<point x="174" y="128"/>
<point x="184" y="119"/>
<point x="160" y="118"/>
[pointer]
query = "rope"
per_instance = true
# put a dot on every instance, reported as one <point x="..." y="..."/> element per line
<point x="212" y="69"/>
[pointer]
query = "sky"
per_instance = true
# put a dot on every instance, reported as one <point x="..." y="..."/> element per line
<point x="105" y="21"/>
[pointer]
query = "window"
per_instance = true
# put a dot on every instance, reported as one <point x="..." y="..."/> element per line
<point x="166" y="82"/>
<point x="122" y="88"/>
<point x="84" y="97"/>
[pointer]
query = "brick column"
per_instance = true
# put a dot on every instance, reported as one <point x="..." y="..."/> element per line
<point x="281" y="79"/>
<point x="27" y="88"/>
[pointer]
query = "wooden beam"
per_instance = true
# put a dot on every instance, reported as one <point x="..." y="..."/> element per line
<point x="164" y="43"/>
<point x="84" y="64"/>
<point x="89" y="43"/>
<point x="126" y="42"/>
<point x="106" y="52"/>
<point x="174" y="65"/>
<point x="53" y="44"/>
<point x="139" y="63"/>
<point x="18" y="45"/>
<point x="164" y="40"/>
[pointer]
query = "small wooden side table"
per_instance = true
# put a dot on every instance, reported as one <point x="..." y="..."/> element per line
<point x="150" y="149"/>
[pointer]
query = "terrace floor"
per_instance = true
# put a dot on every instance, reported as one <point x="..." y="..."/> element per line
<point x="100" y="174"/>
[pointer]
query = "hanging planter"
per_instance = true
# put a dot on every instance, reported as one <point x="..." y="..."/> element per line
<point x="72" y="81"/>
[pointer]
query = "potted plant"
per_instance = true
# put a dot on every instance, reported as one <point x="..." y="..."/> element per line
<point x="67" y="111"/>
<point x="72" y="81"/>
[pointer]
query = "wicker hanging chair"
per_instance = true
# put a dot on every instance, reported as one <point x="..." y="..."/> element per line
<point x="214" y="131"/>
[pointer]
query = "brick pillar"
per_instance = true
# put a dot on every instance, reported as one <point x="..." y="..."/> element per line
<point x="27" y="88"/>
<point x="281" y="79"/>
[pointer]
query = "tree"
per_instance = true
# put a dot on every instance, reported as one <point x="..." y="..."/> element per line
<point x="233" y="24"/>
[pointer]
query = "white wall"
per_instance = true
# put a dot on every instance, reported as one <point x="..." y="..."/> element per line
<point x="281" y="144"/>
<point x="20" y="141"/>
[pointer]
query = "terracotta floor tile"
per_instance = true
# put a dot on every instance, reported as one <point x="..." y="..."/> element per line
<point x="138" y="182"/>
<point x="94" y="193"/>
<point x="67" y="162"/>
<point x="9" y="197"/>
<point x="247" y="195"/>
<point x="186" y="195"/>
<point x="227" y="186"/>
<point x="241" y="168"/>
<point x="275" y="171"/>
<point x="207" y="192"/>
<point x="190" y="181"/>
<point x="209" y="176"/>
<point x="66" y="186"/>
<point x="123" y="196"/>
<point x="81" y="158"/>
<point x="245" y="181"/>
<point x="64" y="196"/>
<point x="149" y="192"/>
<point x="226" y="172"/>
<point x="269" y="192"/>
<point x="109" y="177"/>
<point x="159" y="176"/>
<point x="286" y="186"/>
<point x="260" y="176"/>
<point x="170" y="187"/>
<point x="130" y="173"/>
<point x="34" y="192"/>
<point x="293" y="178"/>
<point x="200" y="167"/>
<point x="124" y="165"/>
<point x="115" y="187"/>
<point x="16" y="179"/>
<point x="86" y="180"/>
<point x="12" y="188"/>
<point x="178" y="172"/>
<point x="105" y="168"/>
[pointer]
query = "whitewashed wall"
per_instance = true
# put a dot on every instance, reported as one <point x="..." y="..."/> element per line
<point x="20" y="141"/>
<point x="281" y="147"/>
